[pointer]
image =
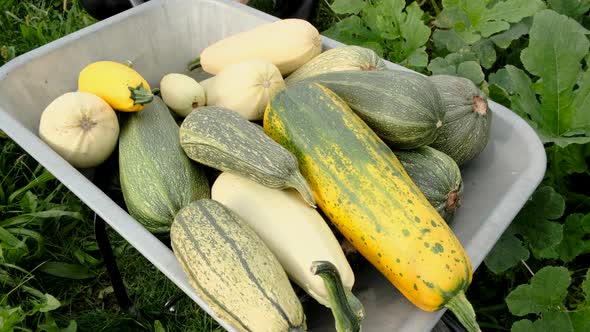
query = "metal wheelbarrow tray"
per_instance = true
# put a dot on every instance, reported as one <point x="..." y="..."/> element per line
<point x="162" y="37"/>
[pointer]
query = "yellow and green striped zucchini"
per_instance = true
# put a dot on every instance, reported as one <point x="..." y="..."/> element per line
<point x="222" y="139"/>
<point x="362" y="188"/>
<point x="232" y="270"/>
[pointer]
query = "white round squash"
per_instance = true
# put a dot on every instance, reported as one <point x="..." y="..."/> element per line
<point x="80" y="127"/>
<point x="245" y="87"/>
<point x="182" y="93"/>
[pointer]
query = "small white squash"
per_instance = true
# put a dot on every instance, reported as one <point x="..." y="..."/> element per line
<point x="80" y="127"/>
<point x="182" y="93"/>
<point x="245" y="87"/>
<point x="295" y="232"/>
<point x="287" y="43"/>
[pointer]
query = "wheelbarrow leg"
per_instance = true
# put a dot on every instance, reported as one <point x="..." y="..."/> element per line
<point x="104" y="245"/>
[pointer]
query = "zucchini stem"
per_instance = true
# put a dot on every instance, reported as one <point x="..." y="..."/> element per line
<point x="346" y="318"/>
<point x="141" y="95"/>
<point x="461" y="307"/>
<point x="300" y="184"/>
<point x="355" y="305"/>
<point x="196" y="63"/>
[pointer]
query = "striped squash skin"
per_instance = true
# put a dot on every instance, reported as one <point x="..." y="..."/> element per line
<point x="222" y="139"/>
<point x="467" y="118"/>
<point x="437" y="175"/>
<point x="349" y="57"/>
<point x="362" y="188"/>
<point x="403" y="108"/>
<point x="157" y="178"/>
<point x="232" y="270"/>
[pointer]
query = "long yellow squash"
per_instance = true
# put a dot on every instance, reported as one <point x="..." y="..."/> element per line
<point x="363" y="189"/>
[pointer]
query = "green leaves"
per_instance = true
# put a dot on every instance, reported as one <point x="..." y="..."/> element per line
<point x="571" y="8"/>
<point x="556" y="48"/>
<point x="473" y="19"/>
<point x="547" y="290"/>
<point x="575" y="233"/>
<point x="473" y="29"/>
<point x="545" y="296"/>
<point x="534" y="224"/>
<point x="464" y="65"/>
<point x="66" y="270"/>
<point x="348" y="6"/>
<point x="393" y="30"/>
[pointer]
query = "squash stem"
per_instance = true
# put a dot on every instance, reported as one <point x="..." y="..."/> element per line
<point x="355" y="305"/>
<point x="461" y="307"/>
<point x="300" y="184"/>
<point x="196" y="63"/>
<point x="141" y="95"/>
<point x="346" y="319"/>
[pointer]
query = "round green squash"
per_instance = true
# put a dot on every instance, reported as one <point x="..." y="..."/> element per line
<point x="467" y="118"/>
<point x="438" y="177"/>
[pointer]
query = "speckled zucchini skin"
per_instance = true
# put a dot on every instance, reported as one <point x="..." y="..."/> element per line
<point x="349" y="57"/>
<point x="467" y="120"/>
<point x="438" y="177"/>
<point x="232" y="270"/>
<point x="364" y="191"/>
<point x="403" y="108"/>
<point x="157" y="178"/>
<point x="222" y="139"/>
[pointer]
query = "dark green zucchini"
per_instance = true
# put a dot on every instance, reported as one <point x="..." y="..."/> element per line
<point x="438" y="177"/>
<point x="403" y="108"/>
<point x="467" y="119"/>
<point x="157" y="178"/>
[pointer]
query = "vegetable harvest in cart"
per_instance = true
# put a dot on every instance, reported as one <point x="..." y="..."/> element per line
<point x="263" y="172"/>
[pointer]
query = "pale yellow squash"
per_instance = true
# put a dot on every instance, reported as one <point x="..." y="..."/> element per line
<point x="288" y="44"/>
<point x="245" y="87"/>
<point x="295" y="232"/>
<point x="81" y="127"/>
<point x="181" y="93"/>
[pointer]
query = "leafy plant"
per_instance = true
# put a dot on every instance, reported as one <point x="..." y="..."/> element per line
<point x="545" y="298"/>
<point x="393" y="30"/>
<point x="469" y="33"/>
<point x="555" y="103"/>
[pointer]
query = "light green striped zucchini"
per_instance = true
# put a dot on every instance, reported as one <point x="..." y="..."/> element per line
<point x="222" y="139"/>
<point x="349" y="57"/>
<point x="233" y="271"/>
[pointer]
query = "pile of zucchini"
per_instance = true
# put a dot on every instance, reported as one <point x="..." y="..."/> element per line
<point x="295" y="134"/>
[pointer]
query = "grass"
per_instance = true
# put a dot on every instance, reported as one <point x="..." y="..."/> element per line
<point x="48" y="251"/>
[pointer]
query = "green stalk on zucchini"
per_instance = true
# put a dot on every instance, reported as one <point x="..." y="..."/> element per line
<point x="347" y="319"/>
